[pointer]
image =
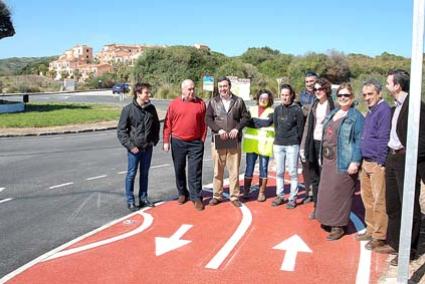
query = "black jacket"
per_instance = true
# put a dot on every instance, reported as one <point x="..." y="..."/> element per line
<point x="307" y="141"/>
<point x="138" y="126"/>
<point x="288" y="124"/>
<point x="402" y="134"/>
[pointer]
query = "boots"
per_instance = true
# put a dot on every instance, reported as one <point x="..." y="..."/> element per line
<point x="336" y="233"/>
<point x="262" y="190"/>
<point x="246" y="187"/>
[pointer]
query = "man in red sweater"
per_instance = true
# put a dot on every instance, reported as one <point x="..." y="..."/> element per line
<point x="185" y="129"/>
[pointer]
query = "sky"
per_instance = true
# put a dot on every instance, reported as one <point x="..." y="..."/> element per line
<point x="370" y="27"/>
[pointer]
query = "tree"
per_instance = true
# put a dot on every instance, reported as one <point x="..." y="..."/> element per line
<point x="171" y="65"/>
<point x="336" y="68"/>
<point x="6" y="26"/>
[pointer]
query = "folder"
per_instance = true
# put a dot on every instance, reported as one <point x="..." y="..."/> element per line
<point x="225" y="144"/>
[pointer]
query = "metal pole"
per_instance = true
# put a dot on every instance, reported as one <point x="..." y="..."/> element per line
<point x="412" y="141"/>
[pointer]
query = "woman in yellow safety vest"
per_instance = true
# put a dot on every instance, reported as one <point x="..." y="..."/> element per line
<point x="258" y="142"/>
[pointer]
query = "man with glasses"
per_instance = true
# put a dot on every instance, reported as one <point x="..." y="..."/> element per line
<point x="373" y="144"/>
<point x="306" y="99"/>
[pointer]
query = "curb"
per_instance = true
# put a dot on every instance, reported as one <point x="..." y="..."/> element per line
<point x="59" y="132"/>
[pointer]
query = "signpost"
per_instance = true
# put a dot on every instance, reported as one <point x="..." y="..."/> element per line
<point x="208" y="83"/>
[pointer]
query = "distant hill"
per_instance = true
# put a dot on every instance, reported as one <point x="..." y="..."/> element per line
<point x="23" y="65"/>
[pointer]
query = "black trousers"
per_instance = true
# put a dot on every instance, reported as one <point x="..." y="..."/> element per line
<point x="311" y="172"/>
<point x="394" y="180"/>
<point x="193" y="152"/>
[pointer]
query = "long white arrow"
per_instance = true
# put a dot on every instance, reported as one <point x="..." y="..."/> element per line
<point x="292" y="245"/>
<point x="164" y="245"/>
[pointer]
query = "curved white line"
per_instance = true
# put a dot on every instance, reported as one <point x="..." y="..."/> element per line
<point x="147" y="222"/>
<point x="6" y="200"/>
<point x="64" y="246"/>
<point x="224" y="252"/>
<point x="363" y="272"/>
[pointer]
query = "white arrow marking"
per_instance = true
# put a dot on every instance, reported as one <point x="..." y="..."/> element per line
<point x="164" y="245"/>
<point x="1" y="189"/>
<point x="293" y="245"/>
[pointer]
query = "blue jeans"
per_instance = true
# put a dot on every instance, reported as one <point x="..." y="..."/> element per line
<point x="251" y="158"/>
<point x="144" y="159"/>
<point x="286" y="156"/>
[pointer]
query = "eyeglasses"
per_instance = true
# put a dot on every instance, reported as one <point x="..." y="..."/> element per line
<point x="343" y="95"/>
<point x="318" y="89"/>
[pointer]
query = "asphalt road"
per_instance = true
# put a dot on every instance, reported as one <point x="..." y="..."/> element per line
<point x="56" y="188"/>
<point x="103" y="97"/>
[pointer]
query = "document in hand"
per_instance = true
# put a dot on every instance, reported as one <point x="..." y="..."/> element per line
<point x="225" y="144"/>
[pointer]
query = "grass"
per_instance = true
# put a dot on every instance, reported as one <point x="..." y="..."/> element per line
<point x="57" y="114"/>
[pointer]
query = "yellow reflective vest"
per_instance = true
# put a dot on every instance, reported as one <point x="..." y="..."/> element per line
<point x="259" y="140"/>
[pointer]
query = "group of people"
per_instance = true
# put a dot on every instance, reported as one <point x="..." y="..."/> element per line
<point x="336" y="144"/>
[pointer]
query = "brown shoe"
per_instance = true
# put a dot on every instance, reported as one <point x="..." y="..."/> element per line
<point x="214" y="201"/>
<point x="278" y="201"/>
<point x="199" y="205"/>
<point x="386" y="249"/>
<point x="363" y="237"/>
<point x="236" y="203"/>
<point x="335" y="234"/>
<point x="373" y="244"/>
<point x="182" y="199"/>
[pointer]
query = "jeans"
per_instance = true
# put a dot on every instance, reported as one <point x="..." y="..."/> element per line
<point x="193" y="151"/>
<point x="251" y="158"/>
<point x="144" y="159"/>
<point x="286" y="156"/>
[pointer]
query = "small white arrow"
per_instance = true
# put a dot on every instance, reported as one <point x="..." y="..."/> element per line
<point x="292" y="245"/>
<point x="164" y="245"/>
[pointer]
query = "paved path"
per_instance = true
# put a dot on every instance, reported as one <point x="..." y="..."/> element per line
<point x="256" y="243"/>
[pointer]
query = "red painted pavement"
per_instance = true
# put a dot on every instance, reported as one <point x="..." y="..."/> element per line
<point x="253" y="260"/>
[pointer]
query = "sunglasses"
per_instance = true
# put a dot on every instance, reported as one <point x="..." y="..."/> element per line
<point x="343" y="95"/>
<point x="318" y="89"/>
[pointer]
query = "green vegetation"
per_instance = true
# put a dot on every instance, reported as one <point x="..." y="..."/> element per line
<point x="28" y="83"/>
<point x="25" y="65"/>
<point x="57" y="114"/>
<point x="166" y="68"/>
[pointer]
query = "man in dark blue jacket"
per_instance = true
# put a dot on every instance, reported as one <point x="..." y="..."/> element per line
<point x="375" y="137"/>
<point x="138" y="132"/>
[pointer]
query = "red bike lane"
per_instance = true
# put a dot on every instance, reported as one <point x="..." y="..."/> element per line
<point x="256" y="243"/>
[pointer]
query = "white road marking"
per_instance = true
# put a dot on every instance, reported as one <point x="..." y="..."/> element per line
<point x="61" y="185"/>
<point x="147" y="222"/>
<point x="6" y="200"/>
<point x="363" y="272"/>
<point x="122" y="173"/>
<point x="2" y="188"/>
<point x="292" y="246"/>
<point x="98" y="177"/>
<point x="52" y="254"/>
<point x="160" y="166"/>
<point x="164" y="245"/>
<point x="224" y="252"/>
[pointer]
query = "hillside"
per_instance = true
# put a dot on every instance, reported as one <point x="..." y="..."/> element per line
<point x="19" y="65"/>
